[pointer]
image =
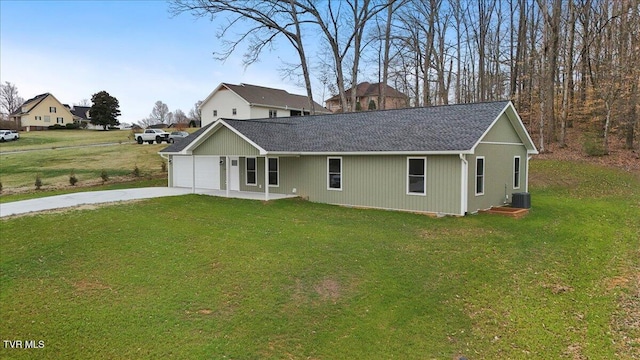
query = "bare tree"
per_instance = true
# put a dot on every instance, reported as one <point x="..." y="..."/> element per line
<point x="83" y="102"/>
<point x="268" y="20"/>
<point x="180" y="117"/>
<point x="10" y="101"/>
<point x="194" y="113"/>
<point x="332" y="22"/>
<point x="161" y="114"/>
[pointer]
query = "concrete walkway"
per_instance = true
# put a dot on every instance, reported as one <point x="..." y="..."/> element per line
<point x="106" y="196"/>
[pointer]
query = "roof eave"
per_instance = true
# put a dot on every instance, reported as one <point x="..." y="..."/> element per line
<point x="368" y="153"/>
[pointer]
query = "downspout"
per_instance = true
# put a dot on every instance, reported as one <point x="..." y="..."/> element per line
<point x="170" y="169"/>
<point x="526" y="178"/>
<point x="464" y="179"/>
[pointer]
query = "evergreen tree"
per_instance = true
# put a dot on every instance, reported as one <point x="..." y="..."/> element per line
<point x="105" y="110"/>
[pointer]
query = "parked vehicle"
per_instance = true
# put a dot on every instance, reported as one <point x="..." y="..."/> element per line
<point x="7" y="135"/>
<point x="17" y="134"/>
<point x="177" y="135"/>
<point x="151" y="135"/>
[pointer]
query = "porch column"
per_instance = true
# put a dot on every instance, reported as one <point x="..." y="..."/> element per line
<point x="266" y="178"/>
<point x="193" y="174"/>
<point x="226" y="174"/>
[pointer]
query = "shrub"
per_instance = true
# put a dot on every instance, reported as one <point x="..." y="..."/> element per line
<point x="163" y="166"/>
<point x="358" y="106"/>
<point x="38" y="183"/>
<point x="104" y="176"/>
<point x="72" y="126"/>
<point x="73" y="180"/>
<point x="136" y="171"/>
<point x="56" y="127"/>
<point x="0" y="187"/>
<point x="593" y="146"/>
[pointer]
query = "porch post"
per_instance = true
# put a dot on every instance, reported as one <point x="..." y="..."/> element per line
<point x="266" y="178"/>
<point x="226" y="174"/>
<point x="193" y="174"/>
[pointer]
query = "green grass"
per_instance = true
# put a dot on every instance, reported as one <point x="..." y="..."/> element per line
<point x="59" y="138"/>
<point x="19" y="170"/>
<point x="202" y="277"/>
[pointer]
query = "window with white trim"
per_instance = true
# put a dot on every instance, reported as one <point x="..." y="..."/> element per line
<point x="416" y="176"/>
<point x="274" y="177"/>
<point x="39" y="118"/>
<point x="59" y="120"/>
<point x="252" y="171"/>
<point x="52" y="109"/>
<point x="234" y="111"/>
<point x="334" y="173"/>
<point x="480" y="175"/>
<point x="516" y="172"/>
<point x="215" y="113"/>
<point x="273" y="113"/>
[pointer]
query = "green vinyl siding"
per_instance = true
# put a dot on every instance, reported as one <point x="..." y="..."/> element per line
<point x="287" y="167"/>
<point x="502" y="131"/>
<point x="498" y="175"/>
<point x="225" y="142"/>
<point x="381" y="182"/>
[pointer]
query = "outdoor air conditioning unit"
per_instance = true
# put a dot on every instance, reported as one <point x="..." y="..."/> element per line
<point x="521" y="200"/>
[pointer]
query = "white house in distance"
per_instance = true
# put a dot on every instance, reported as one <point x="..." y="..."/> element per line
<point x="247" y="101"/>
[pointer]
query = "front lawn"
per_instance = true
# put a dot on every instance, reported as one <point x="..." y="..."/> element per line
<point x="198" y="277"/>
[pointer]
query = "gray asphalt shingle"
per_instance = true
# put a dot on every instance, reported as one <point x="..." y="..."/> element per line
<point x="430" y="129"/>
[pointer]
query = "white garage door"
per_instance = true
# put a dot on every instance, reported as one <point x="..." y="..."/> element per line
<point x="207" y="172"/>
<point x="182" y="171"/>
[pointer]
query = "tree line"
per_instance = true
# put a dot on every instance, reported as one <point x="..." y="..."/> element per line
<point x="559" y="61"/>
<point x="160" y="114"/>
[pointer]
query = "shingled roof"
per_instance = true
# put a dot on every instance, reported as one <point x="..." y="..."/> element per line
<point x="270" y="97"/>
<point x="30" y="104"/>
<point x="445" y="129"/>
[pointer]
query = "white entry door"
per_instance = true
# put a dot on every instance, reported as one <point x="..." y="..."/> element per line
<point x="234" y="173"/>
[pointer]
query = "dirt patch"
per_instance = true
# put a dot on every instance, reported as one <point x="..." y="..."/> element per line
<point x="558" y="288"/>
<point x="574" y="351"/>
<point x="328" y="289"/>
<point x="90" y="285"/>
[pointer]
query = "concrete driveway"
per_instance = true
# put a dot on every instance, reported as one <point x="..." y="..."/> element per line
<point x="89" y="197"/>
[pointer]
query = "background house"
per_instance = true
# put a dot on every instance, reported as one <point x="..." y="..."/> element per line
<point x="366" y="92"/>
<point x="246" y="101"/>
<point x="81" y="116"/>
<point x="452" y="159"/>
<point x="40" y="112"/>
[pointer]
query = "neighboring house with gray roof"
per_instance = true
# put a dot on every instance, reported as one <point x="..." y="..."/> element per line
<point x="453" y="159"/>
<point x="247" y="101"/>
<point x="40" y="112"/>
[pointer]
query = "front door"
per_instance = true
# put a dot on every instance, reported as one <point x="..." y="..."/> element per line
<point x="234" y="174"/>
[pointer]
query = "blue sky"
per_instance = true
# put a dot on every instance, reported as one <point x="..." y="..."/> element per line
<point x="132" y="49"/>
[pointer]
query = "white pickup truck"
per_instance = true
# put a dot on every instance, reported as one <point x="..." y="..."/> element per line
<point x="151" y="135"/>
